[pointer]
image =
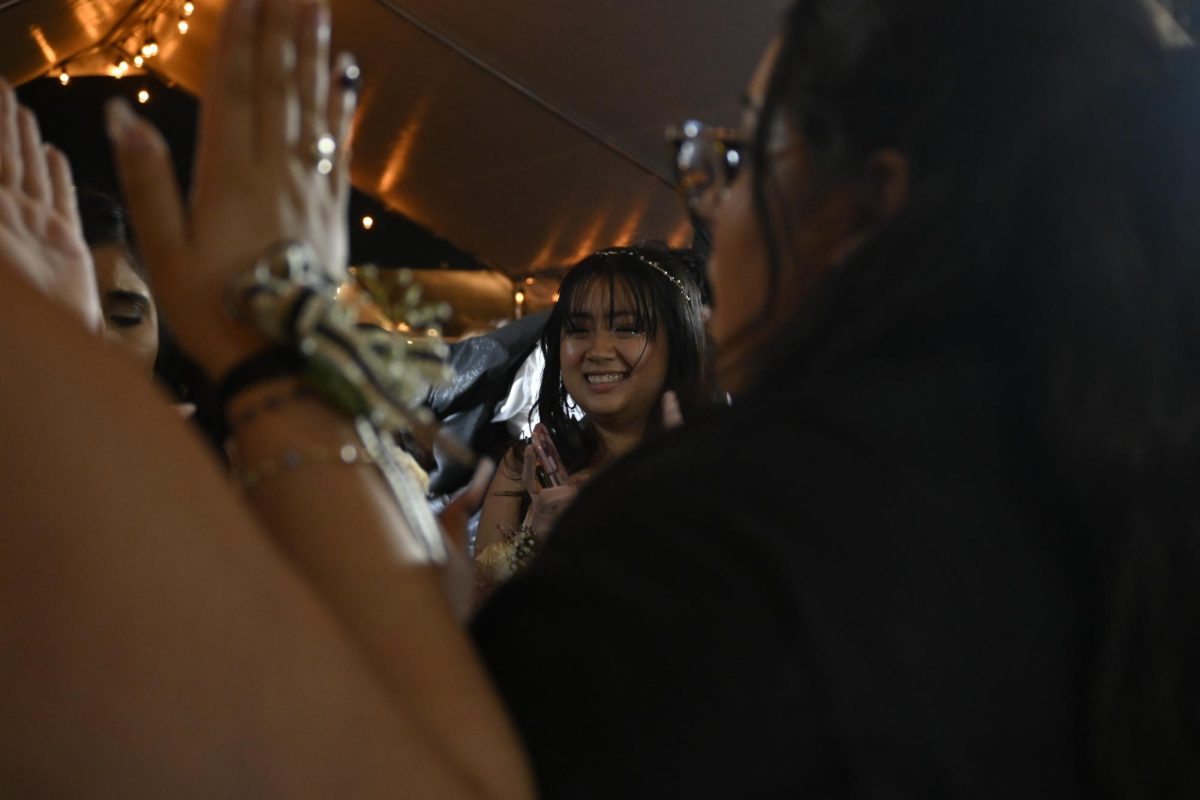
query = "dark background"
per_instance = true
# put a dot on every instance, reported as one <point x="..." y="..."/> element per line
<point x="72" y="119"/>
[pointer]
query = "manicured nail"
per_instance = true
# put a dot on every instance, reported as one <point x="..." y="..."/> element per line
<point x="122" y="124"/>
<point x="316" y="19"/>
<point x="119" y="119"/>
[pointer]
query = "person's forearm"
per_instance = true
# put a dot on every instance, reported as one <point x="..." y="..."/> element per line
<point x="340" y="524"/>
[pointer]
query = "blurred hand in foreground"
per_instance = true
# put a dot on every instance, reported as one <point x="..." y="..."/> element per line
<point x="271" y="167"/>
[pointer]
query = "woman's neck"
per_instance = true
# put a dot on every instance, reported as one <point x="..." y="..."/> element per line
<point x="616" y="440"/>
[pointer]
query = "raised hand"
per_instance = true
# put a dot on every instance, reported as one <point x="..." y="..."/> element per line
<point x="41" y="238"/>
<point x="547" y="503"/>
<point x="672" y="414"/>
<point x="261" y="177"/>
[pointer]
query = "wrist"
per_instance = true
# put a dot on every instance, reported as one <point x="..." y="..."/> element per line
<point x="261" y="394"/>
<point x="217" y="343"/>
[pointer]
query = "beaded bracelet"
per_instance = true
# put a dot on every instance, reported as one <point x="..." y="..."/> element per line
<point x="524" y="545"/>
<point x="292" y="460"/>
<point x="501" y="560"/>
<point x="378" y="379"/>
<point x="270" y="403"/>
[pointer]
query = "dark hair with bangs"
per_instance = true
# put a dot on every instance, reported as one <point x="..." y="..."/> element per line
<point x="659" y="303"/>
<point x="1052" y="219"/>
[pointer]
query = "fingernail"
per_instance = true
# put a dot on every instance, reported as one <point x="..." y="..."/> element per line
<point x="122" y="124"/>
<point x="317" y="16"/>
<point x="119" y="119"/>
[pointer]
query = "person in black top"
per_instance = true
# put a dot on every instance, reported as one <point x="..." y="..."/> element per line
<point x="944" y="542"/>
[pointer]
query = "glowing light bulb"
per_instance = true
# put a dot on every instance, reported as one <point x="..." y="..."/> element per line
<point x="143" y="96"/>
<point x="368" y="222"/>
<point x="519" y="297"/>
<point x="150" y="48"/>
<point x="189" y="8"/>
<point x="138" y="61"/>
<point x="63" y="77"/>
<point x="183" y="27"/>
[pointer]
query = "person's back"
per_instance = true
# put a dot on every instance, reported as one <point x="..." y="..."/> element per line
<point x="869" y="595"/>
<point x="942" y="545"/>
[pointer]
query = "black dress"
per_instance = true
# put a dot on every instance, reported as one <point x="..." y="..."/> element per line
<point x="835" y="588"/>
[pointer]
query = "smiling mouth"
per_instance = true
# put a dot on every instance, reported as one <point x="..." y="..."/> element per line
<point x="605" y="377"/>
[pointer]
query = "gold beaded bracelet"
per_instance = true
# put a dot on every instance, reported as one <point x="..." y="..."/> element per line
<point x="501" y="560"/>
<point x="292" y="460"/>
<point x="269" y="404"/>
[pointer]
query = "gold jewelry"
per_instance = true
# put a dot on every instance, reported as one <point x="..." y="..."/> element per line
<point x="505" y="558"/>
<point x="651" y="264"/>
<point x="270" y="403"/>
<point x="292" y="460"/>
<point x="379" y="380"/>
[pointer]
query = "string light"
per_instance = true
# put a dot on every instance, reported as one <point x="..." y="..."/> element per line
<point x="124" y="44"/>
<point x="368" y="222"/>
<point x="519" y="297"/>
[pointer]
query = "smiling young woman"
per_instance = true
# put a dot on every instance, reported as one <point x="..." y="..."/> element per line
<point x="626" y="330"/>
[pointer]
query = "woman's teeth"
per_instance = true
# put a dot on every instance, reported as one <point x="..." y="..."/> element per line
<point x="607" y="377"/>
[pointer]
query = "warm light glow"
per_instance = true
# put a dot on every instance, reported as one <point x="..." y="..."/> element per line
<point x="556" y="296"/>
<point x="143" y="96"/>
<point x="64" y="78"/>
<point x="150" y="48"/>
<point x="368" y="222"/>
<point x="529" y="281"/>
<point x="189" y="8"/>
<point x="138" y="61"/>
<point x="183" y="26"/>
<point x="122" y="66"/>
<point x="519" y="297"/>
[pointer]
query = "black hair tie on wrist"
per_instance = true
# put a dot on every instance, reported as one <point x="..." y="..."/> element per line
<point x="275" y="362"/>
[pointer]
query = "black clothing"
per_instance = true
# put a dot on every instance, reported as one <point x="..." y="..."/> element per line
<point x="484" y="367"/>
<point x="835" y="588"/>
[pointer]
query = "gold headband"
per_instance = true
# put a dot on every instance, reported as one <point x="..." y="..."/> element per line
<point x="652" y="265"/>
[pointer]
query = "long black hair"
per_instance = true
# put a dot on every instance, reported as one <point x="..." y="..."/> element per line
<point x="666" y="297"/>
<point x="1053" y="203"/>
